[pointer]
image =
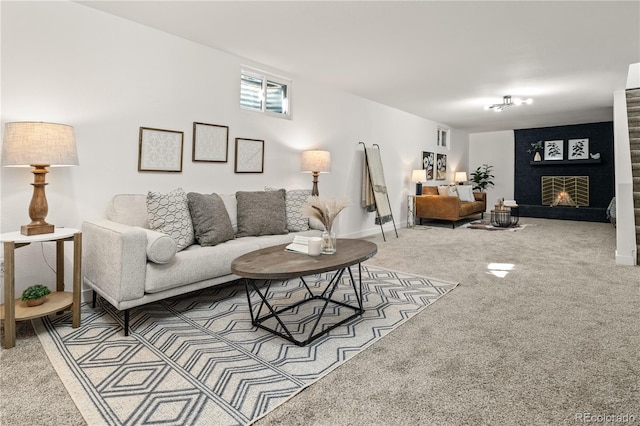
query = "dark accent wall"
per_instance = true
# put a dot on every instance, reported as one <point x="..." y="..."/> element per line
<point x="527" y="185"/>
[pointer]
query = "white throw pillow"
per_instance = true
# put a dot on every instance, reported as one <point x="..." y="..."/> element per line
<point x="447" y="190"/>
<point x="169" y="214"/>
<point x="465" y="193"/>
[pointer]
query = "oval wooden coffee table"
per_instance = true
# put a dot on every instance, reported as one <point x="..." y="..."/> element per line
<point x="261" y="268"/>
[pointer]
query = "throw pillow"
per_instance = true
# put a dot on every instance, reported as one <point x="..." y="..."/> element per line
<point x="295" y="199"/>
<point x="169" y="214"/>
<point x="447" y="190"/>
<point x="465" y="193"/>
<point x="261" y="213"/>
<point x="211" y="221"/>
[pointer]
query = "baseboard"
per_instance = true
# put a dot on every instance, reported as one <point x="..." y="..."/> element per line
<point x="387" y="227"/>
<point x="629" y="260"/>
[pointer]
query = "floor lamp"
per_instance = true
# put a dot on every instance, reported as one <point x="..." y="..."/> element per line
<point x="39" y="145"/>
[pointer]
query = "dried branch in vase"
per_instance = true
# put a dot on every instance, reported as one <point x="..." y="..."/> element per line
<point x="325" y="210"/>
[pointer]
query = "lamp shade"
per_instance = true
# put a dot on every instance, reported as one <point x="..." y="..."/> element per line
<point x="37" y="143"/>
<point x="419" y="176"/>
<point x="461" y="177"/>
<point x="316" y="161"/>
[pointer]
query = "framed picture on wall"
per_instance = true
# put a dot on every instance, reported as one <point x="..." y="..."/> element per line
<point x="210" y="142"/>
<point x="553" y="150"/>
<point x="578" y="149"/>
<point x="441" y="167"/>
<point x="427" y="163"/>
<point x="160" y="150"/>
<point x="249" y="156"/>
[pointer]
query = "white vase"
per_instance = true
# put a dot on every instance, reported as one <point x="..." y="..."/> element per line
<point x="328" y="242"/>
<point x="537" y="157"/>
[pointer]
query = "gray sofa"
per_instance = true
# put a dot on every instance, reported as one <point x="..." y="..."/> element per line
<point x="129" y="264"/>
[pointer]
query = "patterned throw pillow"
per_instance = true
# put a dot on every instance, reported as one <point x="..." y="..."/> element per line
<point x="169" y="214"/>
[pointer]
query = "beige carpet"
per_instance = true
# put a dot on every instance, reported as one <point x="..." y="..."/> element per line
<point x="554" y="339"/>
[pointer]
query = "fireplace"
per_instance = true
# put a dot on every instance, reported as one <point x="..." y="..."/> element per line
<point x="565" y="191"/>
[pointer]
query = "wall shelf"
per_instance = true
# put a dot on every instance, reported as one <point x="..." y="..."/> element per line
<point x="565" y="162"/>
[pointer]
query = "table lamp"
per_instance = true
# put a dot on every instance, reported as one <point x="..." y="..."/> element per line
<point x="39" y="145"/>
<point x="460" y="177"/>
<point x="316" y="162"/>
<point x="419" y="176"/>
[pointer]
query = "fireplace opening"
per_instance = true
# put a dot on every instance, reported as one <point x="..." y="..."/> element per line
<point x="570" y="191"/>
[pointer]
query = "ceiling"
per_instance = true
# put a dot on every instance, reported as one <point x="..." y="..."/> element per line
<point x="442" y="60"/>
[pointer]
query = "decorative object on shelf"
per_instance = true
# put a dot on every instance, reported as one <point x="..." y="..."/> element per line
<point x="508" y="101"/>
<point x="441" y="167"/>
<point x="460" y="177"/>
<point x="210" y="143"/>
<point x="39" y="145"/>
<point x="419" y="176"/>
<point x="595" y="156"/>
<point x="316" y="161"/>
<point x="536" y="147"/>
<point x="35" y="295"/>
<point x="481" y="177"/>
<point x="427" y="163"/>
<point x="160" y="150"/>
<point x="249" y="156"/>
<point x="326" y="211"/>
<point x="578" y="149"/>
<point x="553" y="150"/>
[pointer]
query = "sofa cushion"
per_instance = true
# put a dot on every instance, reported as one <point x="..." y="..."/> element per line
<point x="429" y="190"/>
<point x="169" y="213"/>
<point x="211" y="222"/>
<point x="261" y="213"/>
<point x="465" y="193"/>
<point x="129" y="209"/>
<point x="160" y="247"/>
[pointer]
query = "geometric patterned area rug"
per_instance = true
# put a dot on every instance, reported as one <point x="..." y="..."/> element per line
<point x="197" y="359"/>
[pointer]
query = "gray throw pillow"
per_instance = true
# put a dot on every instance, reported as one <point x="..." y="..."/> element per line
<point x="169" y="214"/>
<point x="295" y="200"/>
<point x="261" y="213"/>
<point x="210" y="219"/>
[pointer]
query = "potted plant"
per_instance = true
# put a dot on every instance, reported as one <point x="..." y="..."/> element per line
<point x="35" y="295"/>
<point x="536" y="147"/>
<point x="481" y="177"/>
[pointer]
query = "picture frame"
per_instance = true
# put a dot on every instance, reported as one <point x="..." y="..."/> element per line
<point x="441" y="167"/>
<point x="578" y="149"/>
<point x="428" y="163"/>
<point x="210" y="143"/>
<point x="160" y="150"/>
<point x="553" y="150"/>
<point x="249" y="156"/>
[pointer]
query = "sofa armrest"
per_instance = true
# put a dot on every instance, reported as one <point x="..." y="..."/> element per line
<point x="114" y="260"/>
<point x="437" y="206"/>
<point x="481" y="196"/>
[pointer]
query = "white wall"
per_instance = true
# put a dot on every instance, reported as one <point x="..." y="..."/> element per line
<point x="107" y="77"/>
<point x="495" y="149"/>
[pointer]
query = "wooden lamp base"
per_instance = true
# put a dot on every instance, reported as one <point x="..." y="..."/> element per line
<point x="38" y="208"/>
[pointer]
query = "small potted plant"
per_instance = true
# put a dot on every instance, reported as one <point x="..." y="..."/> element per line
<point x="536" y="147"/>
<point x="35" y="295"/>
<point x="481" y="177"/>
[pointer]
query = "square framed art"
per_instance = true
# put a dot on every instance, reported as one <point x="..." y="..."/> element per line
<point x="553" y="150"/>
<point x="160" y="150"/>
<point x="578" y="149"/>
<point x="210" y="143"/>
<point x="249" y="156"/>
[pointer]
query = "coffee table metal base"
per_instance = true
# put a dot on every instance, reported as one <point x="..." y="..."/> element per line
<point x="266" y="311"/>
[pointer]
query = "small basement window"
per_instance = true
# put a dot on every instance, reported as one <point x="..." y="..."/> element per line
<point x="443" y="137"/>
<point x="266" y="93"/>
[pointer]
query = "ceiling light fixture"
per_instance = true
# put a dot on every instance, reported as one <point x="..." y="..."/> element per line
<point x="507" y="101"/>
